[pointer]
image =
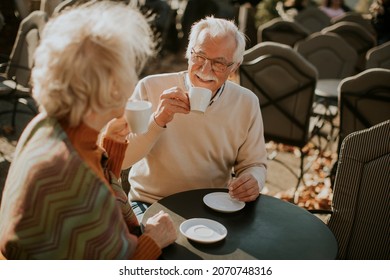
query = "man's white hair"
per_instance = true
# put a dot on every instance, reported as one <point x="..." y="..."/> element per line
<point x="218" y="27"/>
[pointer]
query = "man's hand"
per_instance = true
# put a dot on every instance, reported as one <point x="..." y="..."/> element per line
<point x="244" y="188"/>
<point x="172" y="101"/>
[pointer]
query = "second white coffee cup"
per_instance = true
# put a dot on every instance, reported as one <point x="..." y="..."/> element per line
<point x="137" y="115"/>
<point x="199" y="99"/>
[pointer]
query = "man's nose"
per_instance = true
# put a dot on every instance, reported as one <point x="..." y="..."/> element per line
<point x="207" y="66"/>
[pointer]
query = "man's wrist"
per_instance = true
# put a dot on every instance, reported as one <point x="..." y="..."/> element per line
<point x="157" y="121"/>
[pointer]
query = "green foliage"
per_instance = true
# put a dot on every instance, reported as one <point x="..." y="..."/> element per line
<point x="266" y="11"/>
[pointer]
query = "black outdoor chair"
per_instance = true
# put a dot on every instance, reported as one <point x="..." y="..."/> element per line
<point x="281" y="31"/>
<point x="284" y="82"/>
<point x="360" y="213"/>
<point x="358" y="37"/>
<point x="313" y="19"/>
<point x="334" y="60"/>
<point x="15" y="74"/>
<point x="378" y="56"/>
<point x="364" y="101"/>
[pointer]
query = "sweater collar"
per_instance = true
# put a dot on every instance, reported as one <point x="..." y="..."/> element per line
<point x="86" y="136"/>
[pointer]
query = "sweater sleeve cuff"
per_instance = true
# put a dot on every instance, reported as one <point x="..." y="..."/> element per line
<point x="259" y="172"/>
<point x="147" y="249"/>
<point x="154" y="126"/>
<point x="116" y="153"/>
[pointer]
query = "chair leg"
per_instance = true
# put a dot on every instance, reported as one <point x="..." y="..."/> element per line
<point x="302" y="171"/>
<point x="13" y="120"/>
<point x="10" y="129"/>
<point x="316" y="133"/>
<point x="273" y="155"/>
<point x="300" y="177"/>
<point x="324" y="117"/>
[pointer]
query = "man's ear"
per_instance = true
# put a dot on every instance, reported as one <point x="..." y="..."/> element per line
<point x="233" y="76"/>
<point x="235" y="68"/>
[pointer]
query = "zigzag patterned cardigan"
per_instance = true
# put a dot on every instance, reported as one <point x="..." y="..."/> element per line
<point x="55" y="207"/>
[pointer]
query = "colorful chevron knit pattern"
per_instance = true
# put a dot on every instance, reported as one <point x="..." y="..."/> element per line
<point x="55" y="207"/>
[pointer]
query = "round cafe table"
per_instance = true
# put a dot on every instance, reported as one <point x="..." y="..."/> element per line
<point x="267" y="228"/>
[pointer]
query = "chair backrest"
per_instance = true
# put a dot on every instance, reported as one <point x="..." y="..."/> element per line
<point x="355" y="17"/>
<point x="2" y="22"/>
<point x="361" y="204"/>
<point x="313" y="19"/>
<point x="364" y="100"/>
<point x="281" y="31"/>
<point x="26" y="42"/>
<point x="284" y="82"/>
<point x="48" y="6"/>
<point x="247" y="24"/>
<point x="357" y="37"/>
<point x="379" y="56"/>
<point x="65" y="4"/>
<point x="333" y="57"/>
<point x="163" y="22"/>
<point x="194" y="11"/>
<point x="22" y="8"/>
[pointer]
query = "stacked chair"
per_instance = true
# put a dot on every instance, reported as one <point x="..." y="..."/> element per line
<point x="284" y="82"/>
<point x="313" y="19"/>
<point x="15" y="74"/>
<point x="356" y="18"/>
<point x="364" y="100"/>
<point x="378" y="56"/>
<point x="334" y="60"/>
<point x="281" y="31"/>
<point x="357" y="37"/>
<point x="48" y="6"/>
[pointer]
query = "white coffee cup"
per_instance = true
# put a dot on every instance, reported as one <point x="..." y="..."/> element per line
<point x="199" y="99"/>
<point x="137" y="115"/>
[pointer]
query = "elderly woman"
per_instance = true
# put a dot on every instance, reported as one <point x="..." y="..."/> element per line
<point x="61" y="199"/>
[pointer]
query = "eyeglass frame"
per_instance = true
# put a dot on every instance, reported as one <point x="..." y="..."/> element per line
<point x="212" y="61"/>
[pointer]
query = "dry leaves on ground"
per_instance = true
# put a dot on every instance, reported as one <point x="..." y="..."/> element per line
<point x="315" y="191"/>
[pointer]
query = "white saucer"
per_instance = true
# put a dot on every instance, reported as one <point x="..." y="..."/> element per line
<point x="203" y="230"/>
<point x="222" y="202"/>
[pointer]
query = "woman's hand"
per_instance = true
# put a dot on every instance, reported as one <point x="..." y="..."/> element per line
<point x="117" y="130"/>
<point x="161" y="229"/>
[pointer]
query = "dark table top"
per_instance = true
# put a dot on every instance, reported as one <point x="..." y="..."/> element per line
<point x="267" y="228"/>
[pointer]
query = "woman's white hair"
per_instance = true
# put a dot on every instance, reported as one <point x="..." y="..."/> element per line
<point x="218" y="27"/>
<point x="89" y="58"/>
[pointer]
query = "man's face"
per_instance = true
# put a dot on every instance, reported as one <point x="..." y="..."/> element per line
<point x="210" y="56"/>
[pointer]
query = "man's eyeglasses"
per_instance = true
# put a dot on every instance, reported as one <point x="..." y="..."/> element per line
<point x="216" y="65"/>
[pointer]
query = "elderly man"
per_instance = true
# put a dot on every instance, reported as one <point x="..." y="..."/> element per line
<point x="183" y="150"/>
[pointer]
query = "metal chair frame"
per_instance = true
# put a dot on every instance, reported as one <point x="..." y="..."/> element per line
<point x="360" y="206"/>
<point x="14" y="83"/>
<point x="303" y="127"/>
<point x="345" y="104"/>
